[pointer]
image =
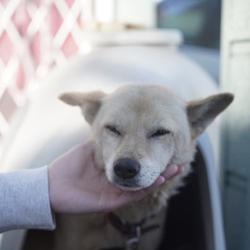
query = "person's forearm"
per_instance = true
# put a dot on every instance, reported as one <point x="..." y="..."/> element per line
<point x="24" y="200"/>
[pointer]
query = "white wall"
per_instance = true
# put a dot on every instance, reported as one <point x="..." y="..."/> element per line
<point x="236" y="131"/>
<point x="138" y="12"/>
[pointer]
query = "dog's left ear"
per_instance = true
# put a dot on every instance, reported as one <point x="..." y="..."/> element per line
<point x="202" y="112"/>
<point x="89" y="102"/>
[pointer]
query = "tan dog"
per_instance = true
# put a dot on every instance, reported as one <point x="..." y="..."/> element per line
<point x="137" y="132"/>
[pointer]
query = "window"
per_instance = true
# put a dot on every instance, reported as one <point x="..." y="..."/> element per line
<point x="199" y="20"/>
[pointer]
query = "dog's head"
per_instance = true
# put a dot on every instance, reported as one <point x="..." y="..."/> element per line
<point x="139" y="130"/>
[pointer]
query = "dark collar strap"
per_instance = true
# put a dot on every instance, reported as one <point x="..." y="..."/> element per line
<point x="131" y="231"/>
<point x="113" y="248"/>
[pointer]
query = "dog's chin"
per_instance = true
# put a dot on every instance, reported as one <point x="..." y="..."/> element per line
<point x="128" y="187"/>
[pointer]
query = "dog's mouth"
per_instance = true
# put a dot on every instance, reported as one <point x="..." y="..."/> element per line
<point x="129" y="188"/>
<point x="126" y="185"/>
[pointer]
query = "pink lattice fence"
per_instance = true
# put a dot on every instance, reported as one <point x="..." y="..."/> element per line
<point x="34" y="37"/>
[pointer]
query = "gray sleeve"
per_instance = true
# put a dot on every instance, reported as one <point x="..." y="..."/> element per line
<point x="24" y="200"/>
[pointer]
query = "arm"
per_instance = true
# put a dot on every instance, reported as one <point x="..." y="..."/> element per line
<point x="24" y="200"/>
<point x="71" y="184"/>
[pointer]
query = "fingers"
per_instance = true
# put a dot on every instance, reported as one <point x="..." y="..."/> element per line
<point x="171" y="171"/>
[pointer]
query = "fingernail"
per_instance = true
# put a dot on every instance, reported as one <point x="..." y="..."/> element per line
<point x="161" y="180"/>
<point x="174" y="168"/>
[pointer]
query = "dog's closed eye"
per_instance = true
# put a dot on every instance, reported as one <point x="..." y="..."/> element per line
<point x="159" y="132"/>
<point x="113" y="129"/>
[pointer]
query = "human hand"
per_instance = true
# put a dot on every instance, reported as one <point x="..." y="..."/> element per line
<point x="76" y="185"/>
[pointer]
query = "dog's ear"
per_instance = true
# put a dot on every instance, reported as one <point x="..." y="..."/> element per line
<point x="202" y="112"/>
<point x="89" y="102"/>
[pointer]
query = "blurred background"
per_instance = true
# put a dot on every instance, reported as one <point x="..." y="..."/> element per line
<point x="38" y="36"/>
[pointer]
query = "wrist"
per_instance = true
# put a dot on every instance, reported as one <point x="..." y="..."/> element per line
<point x="53" y="196"/>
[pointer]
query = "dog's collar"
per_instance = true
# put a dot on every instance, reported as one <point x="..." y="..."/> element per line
<point x="131" y="231"/>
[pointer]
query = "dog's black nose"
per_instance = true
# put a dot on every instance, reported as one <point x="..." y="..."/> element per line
<point x="126" y="168"/>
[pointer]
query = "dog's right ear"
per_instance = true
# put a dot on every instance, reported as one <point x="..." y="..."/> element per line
<point x="89" y="102"/>
<point x="202" y="112"/>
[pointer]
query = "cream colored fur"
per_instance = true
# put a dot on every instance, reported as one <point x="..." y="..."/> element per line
<point x="137" y="112"/>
